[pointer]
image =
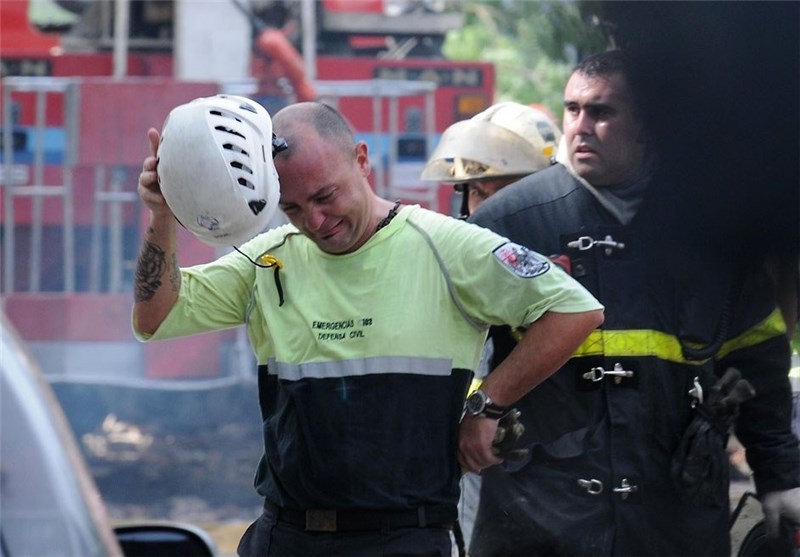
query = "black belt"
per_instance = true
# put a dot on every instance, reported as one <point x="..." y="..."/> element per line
<point x="326" y="520"/>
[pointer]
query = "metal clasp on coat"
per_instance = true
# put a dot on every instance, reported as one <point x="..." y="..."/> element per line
<point x="598" y="373"/>
<point x="696" y="392"/>
<point x="626" y="488"/>
<point x="587" y="242"/>
<point x="592" y="487"/>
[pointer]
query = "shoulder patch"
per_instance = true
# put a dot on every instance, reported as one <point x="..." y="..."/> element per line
<point x="521" y="261"/>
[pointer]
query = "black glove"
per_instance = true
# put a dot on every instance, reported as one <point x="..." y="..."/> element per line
<point x="509" y="431"/>
<point x="699" y="466"/>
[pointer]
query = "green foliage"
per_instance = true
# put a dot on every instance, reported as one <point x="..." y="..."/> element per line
<point x="533" y="44"/>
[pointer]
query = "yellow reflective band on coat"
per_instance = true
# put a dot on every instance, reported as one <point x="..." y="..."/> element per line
<point x="635" y="343"/>
<point x="652" y="343"/>
<point x="772" y="326"/>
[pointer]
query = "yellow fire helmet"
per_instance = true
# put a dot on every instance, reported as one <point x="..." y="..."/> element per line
<point x="506" y="139"/>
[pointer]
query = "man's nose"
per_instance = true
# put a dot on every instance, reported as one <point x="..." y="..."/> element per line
<point x="583" y="123"/>
<point x="314" y="219"/>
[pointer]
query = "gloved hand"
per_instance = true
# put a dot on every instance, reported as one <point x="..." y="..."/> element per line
<point x="699" y="466"/>
<point x="509" y="430"/>
<point x="780" y="504"/>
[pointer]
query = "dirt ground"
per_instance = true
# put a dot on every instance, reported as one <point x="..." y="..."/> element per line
<point x="204" y="478"/>
<point x="172" y="456"/>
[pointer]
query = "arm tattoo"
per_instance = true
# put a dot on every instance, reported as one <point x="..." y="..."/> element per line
<point x="149" y="269"/>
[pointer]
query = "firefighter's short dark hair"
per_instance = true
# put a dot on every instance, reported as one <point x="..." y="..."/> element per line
<point x="610" y="62"/>
<point x="604" y="64"/>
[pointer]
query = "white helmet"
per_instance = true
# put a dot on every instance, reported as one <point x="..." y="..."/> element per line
<point x="215" y="168"/>
<point x="506" y="139"/>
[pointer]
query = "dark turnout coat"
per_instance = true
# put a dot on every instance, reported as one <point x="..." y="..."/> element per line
<point x="597" y="480"/>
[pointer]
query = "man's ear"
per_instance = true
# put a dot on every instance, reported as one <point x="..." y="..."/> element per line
<point x="362" y="158"/>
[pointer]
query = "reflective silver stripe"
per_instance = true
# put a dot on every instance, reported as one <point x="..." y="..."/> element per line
<point x="365" y="366"/>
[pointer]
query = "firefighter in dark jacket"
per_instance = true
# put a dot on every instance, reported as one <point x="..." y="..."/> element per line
<point x="627" y="441"/>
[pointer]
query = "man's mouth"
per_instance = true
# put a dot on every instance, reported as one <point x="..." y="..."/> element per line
<point x="331" y="232"/>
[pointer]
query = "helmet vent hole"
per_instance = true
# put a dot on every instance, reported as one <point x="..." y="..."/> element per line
<point x="236" y="148"/>
<point x="257" y="205"/>
<point x="242" y="167"/>
<point x="225" y="129"/>
<point x="222" y="114"/>
<point x="244" y="182"/>
<point x="248" y="107"/>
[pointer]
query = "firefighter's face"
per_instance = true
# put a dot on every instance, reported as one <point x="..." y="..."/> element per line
<point x="602" y="131"/>
<point x="480" y="190"/>
<point x="326" y="195"/>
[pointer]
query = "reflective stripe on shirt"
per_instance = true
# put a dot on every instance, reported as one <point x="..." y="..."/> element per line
<point x="365" y="366"/>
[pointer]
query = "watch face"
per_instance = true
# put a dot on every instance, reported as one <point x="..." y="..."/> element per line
<point x="476" y="403"/>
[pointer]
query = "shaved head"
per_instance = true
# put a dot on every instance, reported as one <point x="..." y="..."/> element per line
<point x="299" y="122"/>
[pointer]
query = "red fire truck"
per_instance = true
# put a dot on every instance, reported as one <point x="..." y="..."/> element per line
<point x="73" y="137"/>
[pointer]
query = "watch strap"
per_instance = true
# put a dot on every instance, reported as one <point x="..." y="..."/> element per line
<point x="488" y="409"/>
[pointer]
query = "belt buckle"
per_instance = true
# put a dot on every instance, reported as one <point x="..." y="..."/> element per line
<point x="320" y="520"/>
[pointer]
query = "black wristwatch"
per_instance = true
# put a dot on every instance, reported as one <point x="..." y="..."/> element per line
<point x="479" y="404"/>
